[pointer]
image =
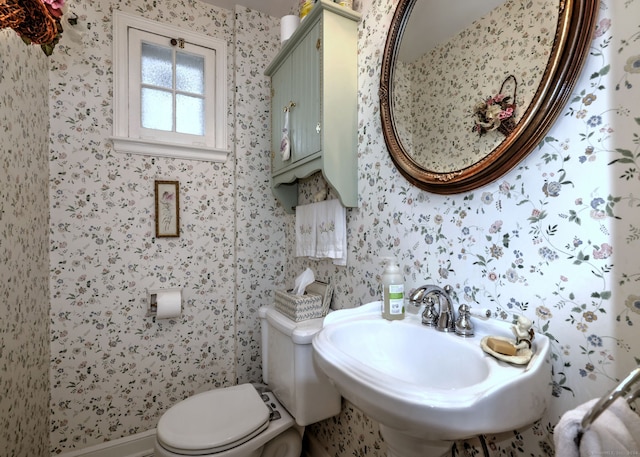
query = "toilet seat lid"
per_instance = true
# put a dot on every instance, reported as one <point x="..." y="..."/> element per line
<point x="215" y="420"/>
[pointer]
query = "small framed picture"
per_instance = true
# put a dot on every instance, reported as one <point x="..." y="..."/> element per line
<point x="167" y="209"/>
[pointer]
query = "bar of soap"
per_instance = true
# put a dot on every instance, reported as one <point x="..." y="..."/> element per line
<point x="501" y="346"/>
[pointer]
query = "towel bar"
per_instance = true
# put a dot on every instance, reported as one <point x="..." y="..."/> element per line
<point x="622" y="389"/>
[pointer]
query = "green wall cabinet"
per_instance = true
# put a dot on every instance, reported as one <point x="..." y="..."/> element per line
<point x="314" y="77"/>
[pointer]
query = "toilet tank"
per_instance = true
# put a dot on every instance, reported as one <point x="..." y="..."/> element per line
<point x="289" y="371"/>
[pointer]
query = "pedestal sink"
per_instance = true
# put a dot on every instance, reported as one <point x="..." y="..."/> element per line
<point x="426" y="388"/>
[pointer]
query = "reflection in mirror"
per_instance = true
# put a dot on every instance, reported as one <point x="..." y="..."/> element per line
<point x="437" y="82"/>
<point x="528" y="50"/>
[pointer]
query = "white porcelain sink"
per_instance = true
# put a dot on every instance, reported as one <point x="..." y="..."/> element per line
<point x="427" y="388"/>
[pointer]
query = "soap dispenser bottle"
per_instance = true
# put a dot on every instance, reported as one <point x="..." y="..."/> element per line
<point x="392" y="291"/>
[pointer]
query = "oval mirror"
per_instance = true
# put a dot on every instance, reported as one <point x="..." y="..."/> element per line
<point x="460" y="109"/>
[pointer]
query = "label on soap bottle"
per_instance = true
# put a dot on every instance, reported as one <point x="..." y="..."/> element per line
<point x="396" y="298"/>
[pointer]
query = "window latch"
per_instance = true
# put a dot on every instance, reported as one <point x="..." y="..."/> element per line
<point x="179" y="42"/>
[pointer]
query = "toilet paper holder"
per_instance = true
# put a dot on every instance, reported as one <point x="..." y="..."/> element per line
<point x="152" y="299"/>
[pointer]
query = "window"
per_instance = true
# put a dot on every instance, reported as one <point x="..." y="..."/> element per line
<point x="170" y="90"/>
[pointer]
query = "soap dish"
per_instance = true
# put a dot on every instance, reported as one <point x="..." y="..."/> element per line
<point x="522" y="357"/>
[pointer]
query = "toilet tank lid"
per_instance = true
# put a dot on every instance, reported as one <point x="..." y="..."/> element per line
<point x="300" y="332"/>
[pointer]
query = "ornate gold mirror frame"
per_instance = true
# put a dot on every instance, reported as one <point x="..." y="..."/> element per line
<point x="576" y="22"/>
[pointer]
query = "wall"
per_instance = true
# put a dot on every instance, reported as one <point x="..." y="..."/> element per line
<point x="114" y="370"/>
<point x="24" y="268"/>
<point x="555" y="239"/>
<point x="260" y="231"/>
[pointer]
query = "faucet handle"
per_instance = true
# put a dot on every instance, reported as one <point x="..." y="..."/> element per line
<point x="429" y="316"/>
<point x="482" y="313"/>
<point x="464" y="326"/>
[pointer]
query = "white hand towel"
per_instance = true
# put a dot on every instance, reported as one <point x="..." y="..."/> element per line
<point x="615" y="432"/>
<point x="331" y="240"/>
<point x="321" y="231"/>
<point x="306" y="216"/>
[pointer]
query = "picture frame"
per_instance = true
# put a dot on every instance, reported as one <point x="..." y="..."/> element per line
<point x="167" y="196"/>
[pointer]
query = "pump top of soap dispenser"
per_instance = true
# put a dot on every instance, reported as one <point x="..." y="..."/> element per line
<point x="391" y="265"/>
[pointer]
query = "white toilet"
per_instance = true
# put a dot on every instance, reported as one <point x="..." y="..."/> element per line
<point x="253" y="420"/>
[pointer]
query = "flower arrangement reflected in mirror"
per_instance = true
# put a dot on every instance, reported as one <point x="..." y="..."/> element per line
<point x="496" y="112"/>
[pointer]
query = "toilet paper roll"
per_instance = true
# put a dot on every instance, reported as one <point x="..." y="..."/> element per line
<point x="288" y="25"/>
<point x="169" y="303"/>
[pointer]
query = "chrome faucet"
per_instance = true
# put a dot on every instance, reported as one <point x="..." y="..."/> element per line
<point x="444" y="319"/>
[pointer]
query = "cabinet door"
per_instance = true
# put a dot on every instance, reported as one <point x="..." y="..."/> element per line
<point x="305" y="89"/>
<point x="281" y="96"/>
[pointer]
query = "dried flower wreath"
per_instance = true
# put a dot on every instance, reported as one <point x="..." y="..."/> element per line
<point x="497" y="112"/>
<point x="36" y="21"/>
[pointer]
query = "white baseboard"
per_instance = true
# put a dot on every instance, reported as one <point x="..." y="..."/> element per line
<point x="313" y="448"/>
<point x="141" y="445"/>
<point x="138" y="445"/>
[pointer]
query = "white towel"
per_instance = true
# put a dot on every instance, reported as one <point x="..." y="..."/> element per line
<point x="321" y="231"/>
<point x="285" y="146"/>
<point x="331" y="240"/>
<point x="306" y="216"/>
<point x="615" y="432"/>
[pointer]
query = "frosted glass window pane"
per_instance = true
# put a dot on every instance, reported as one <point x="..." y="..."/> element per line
<point x="189" y="115"/>
<point x="189" y="73"/>
<point x="157" y="109"/>
<point x="157" y="65"/>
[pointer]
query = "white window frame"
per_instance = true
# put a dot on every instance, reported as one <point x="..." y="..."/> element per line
<point x="128" y="138"/>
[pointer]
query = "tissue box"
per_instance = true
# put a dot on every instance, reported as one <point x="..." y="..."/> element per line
<point x="313" y="304"/>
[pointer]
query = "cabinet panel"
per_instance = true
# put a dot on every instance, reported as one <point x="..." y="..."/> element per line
<point x="296" y="86"/>
<point x="305" y="88"/>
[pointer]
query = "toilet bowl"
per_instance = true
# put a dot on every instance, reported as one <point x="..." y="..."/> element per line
<point x="250" y="420"/>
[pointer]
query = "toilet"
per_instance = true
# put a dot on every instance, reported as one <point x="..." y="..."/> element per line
<point x="255" y="420"/>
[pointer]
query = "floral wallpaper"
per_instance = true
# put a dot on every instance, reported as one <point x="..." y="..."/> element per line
<point x="513" y="39"/>
<point x="261" y="263"/>
<point x="24" y="267"/>
<point x="555" y="239"/>
<point x="114" y="370"/>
